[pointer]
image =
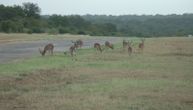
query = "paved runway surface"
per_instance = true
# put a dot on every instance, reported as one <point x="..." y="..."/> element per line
<point x="11" y="51"/>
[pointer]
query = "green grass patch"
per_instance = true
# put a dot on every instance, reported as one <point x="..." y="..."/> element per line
<point x="35" y="63"/>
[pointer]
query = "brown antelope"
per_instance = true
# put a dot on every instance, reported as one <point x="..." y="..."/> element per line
<point x="49" y="48"/>
<point x="98" y="47"/>
<point x="72" y="50"/>
<point x="79" y="43"/>
<point x="141" y="45"/>
<point x="109" y="45"/>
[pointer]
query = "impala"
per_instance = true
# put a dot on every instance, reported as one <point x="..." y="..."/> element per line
<point x="98" y="47"/>
<point x="48" y="47"/>
<point x="72" y="50"/>
<point x="109" y="45"/>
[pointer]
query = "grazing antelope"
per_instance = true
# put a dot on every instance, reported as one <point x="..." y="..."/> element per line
<point x="79" y="43"/>
<point x="72" y="50"/>
<point x="49" y="48"/>
<point x="141" y="45"/>
<point x="109" y="45"/>
<point x="98" y="47"/>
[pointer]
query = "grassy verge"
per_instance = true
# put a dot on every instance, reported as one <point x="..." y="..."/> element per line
<point x="160" y="78"/>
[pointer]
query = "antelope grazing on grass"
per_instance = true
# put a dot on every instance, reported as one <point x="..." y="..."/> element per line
<point x="72" y="50"/>
<point x="98" y="47"/>
<point x="49" y="48"/>
<point x="109" y="45"/>
<point x="79" y="43"/>
<point x="141" y="45"/>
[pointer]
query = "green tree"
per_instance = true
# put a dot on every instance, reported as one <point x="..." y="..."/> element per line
<point x="11" y="26"/>
<point x="31" y="10"/>
<point x="11" y="12"/>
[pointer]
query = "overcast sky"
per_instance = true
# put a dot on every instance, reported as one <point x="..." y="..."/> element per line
<point x="109" y="7"/>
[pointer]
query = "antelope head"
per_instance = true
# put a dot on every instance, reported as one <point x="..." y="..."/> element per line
<point x="112" y="47"/>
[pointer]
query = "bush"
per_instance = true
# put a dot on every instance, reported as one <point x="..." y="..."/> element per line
<point x="37" y="30"/>
<point x="29" y="31"/>
<point x="52" y="31"/>
<point x="81" y="33"/>
<point x="63" y="30"/>
<point x="6" y="26"/>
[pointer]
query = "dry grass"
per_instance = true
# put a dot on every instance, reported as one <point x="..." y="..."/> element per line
<point x="160" y="78"/>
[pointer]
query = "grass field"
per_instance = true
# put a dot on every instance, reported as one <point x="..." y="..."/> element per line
<point x="160" y="78"/>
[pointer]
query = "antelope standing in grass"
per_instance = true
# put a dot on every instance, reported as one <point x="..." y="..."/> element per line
<point x="72" y="50"/>
<point x="79" y="43"/>
<point x="109" y="45"/>
<point x="141" y="45"/>
<point x="49" y="48"/>
<point x="98" y="47"/>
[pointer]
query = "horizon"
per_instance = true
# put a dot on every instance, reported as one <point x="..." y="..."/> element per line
<point x="109" y="7"/>
<point x="118" y="15"/>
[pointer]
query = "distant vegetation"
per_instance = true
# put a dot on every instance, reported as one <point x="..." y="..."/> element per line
<point x="27" y="19"/>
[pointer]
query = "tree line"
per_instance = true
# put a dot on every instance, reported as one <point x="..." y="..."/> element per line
<point x="28" y="19"/>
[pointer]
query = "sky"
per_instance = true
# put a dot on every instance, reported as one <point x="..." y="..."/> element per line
<point x="109" y="7"/>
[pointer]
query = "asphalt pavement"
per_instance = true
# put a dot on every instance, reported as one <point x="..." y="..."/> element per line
<point x="12" y="51"/>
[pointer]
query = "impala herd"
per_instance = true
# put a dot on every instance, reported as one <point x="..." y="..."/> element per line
<point x="127" y="45"/>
